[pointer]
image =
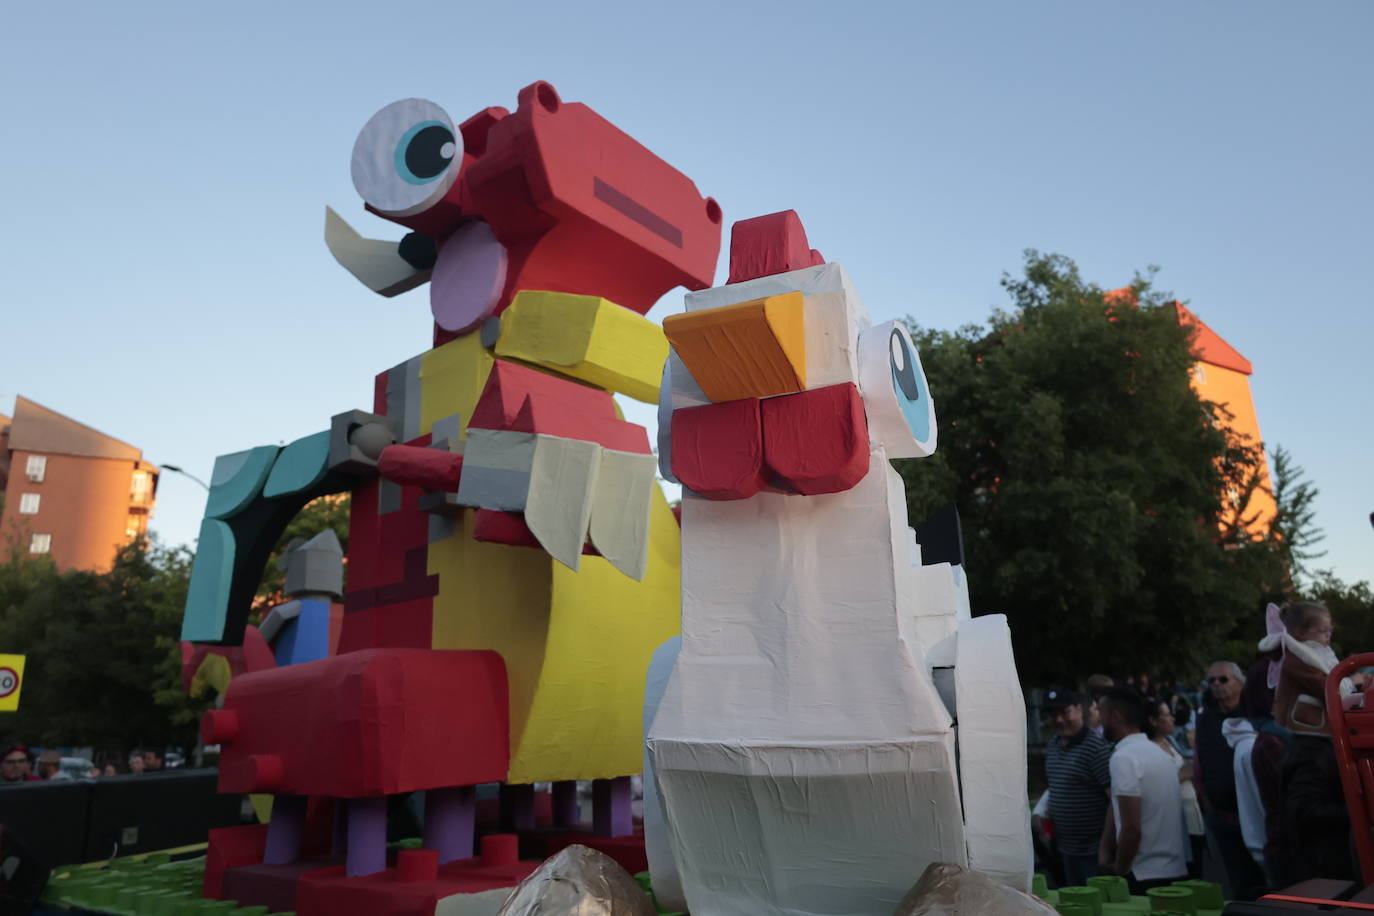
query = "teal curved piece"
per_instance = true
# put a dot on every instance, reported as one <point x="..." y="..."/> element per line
<point x="300" y="466"/>
<point x="207" y="599"/>
<point x="238" y="479"/>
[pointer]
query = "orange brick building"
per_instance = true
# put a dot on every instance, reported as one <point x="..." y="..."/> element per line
<point x="70" y="491"/>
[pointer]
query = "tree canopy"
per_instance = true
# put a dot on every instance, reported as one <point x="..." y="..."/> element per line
<point x="1089" y="478"/>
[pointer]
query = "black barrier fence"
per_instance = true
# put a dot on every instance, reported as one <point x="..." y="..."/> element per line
<point x="69" y="821"/>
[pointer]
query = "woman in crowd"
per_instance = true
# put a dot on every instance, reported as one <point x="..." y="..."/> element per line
<point x="1160" y="730"/>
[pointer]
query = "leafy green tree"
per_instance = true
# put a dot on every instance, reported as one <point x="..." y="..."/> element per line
<point x="98" y="649"/>
<point x="1294" y="528"/>
<point x="1089" y="478"/>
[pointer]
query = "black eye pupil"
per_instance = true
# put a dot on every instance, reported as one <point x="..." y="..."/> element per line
<point x="905" y="374"/>
<point x="425" y="153"/>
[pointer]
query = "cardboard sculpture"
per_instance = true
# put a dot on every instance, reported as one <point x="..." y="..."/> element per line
<point x="805" y="759"/>
<point x="512" y="564"/>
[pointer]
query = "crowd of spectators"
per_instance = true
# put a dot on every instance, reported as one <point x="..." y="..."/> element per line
<point x="1249" y="784"/>
<point x="20" y="764"/>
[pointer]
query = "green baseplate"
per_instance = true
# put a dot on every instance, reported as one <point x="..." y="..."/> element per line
<point x="155" y="885"/>
<point x="1108" y="896"/>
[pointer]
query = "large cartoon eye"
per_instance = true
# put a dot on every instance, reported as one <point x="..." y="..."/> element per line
<point x="901" y="414"/>
<point x="407" y="157"/>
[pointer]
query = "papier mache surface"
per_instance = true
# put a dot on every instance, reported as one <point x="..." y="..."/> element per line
<point x="948" y="890"/>
<point x="578" y="882"/>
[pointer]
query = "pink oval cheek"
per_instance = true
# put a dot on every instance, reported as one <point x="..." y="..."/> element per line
<point x="468" y="277"/>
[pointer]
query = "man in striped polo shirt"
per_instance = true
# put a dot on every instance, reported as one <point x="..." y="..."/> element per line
<point x="1077" y="766"/>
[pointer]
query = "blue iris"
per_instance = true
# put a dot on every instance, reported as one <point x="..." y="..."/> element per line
<point x="910" y="384"/>
<point x="420" y="155"/>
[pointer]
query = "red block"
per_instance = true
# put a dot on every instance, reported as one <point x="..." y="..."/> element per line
<point x="526" y="400"/>
<point x="509" y="528"/>
<point x="767" y="245"/>
<point x="816" y="441"/>
<point x="329" y="892"/>
<point x="627" y="851"/>
<point x="411" y="465"/>
<point x="231" y="847"/>
<point x="369" y="723"/>
<point x="718" y="449"/>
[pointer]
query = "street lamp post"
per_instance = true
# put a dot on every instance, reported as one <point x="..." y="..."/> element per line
<point x="184" y="473"/>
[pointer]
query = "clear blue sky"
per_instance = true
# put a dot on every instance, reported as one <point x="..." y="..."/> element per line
<point x="166" y="167"/>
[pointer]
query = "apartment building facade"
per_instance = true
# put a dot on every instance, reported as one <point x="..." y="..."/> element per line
<point x="70" y="491"/>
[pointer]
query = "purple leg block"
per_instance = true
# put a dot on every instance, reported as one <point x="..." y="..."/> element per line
<point x="366" y="836"/>
<point x="565" y="811"/>
<point x="451" y="822"/>
<point x="517" y="807"/>
<point x="611" y="814"/>
<point x="284" y="830"/>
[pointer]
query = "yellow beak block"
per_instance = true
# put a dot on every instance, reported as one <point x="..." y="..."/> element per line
<point x="586" y="338"/>
<point x="754" y="349"/>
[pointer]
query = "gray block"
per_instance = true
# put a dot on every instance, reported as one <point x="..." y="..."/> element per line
<point x="316" y="567"/>
<point x="354" y="437"/>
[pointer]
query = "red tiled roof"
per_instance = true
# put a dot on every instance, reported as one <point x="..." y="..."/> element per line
<point x="36" y="428"/>
<point x="1209" y="346"/>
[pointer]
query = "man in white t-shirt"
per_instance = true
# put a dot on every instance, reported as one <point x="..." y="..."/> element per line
<point x="1145" y="838"/>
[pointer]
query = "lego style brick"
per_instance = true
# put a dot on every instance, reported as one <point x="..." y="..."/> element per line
<point x="356" y="440"/>
<point x="299" y="467"/>
<point x="306" y="636"/>
<point x="768" y="245"/>
<point x="587" y="338"/>
<point x="230" y="847"/>
<point x="816" y="441"/>
<point x="718" y="449"/>
<point x="212" y="572"/>
<point x="237" y="479"/>
<point x="498" y="463"/>
<point x="749" y="350"/>
<point x="410" y="465"/>
<point x="367" y="723"/>
<point x="527" y="400"/>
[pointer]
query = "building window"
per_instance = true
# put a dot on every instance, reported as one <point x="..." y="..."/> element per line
<point x="133" y="528"/>
<point x="1199" y="373"/>
<point x="28" y="503"/>
<point x="140" y="488"/>
<point x="38" y="468"/>
<point x="40" y="543"/>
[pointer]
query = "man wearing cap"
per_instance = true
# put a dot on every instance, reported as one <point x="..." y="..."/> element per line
<point x="1077" y="767"/>
<point x="16" y="765"/>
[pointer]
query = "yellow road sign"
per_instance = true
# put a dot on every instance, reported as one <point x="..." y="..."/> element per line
<point x="11" y="681"/>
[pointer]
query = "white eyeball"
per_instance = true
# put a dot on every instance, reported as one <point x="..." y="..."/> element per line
<point x="407" y="157"/>
<point x="901" y="413"/>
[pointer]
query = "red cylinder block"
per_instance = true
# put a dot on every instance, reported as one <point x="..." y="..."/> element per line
<point x="417" y="865"/>
<point x="219" y="726"/>
<point x="499" y="849"/>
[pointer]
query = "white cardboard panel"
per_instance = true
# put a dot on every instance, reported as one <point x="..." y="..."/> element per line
<point x="562" y="483"/>
<point x="658" y="848"/>
<point x="809" y="830"/>
<point x="992" y="751"/>
<point x="620" y="510"/>
<point x="805" y="758"/>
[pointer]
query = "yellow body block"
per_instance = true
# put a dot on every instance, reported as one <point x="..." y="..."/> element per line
<point x="576" y="644"/>
<point x="751" y="350"/>
<point x="586" y="338"/>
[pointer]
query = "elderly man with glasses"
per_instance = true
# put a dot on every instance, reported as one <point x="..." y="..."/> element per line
<point x="1214" y="777"/>
<point x="16" y="765"/>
